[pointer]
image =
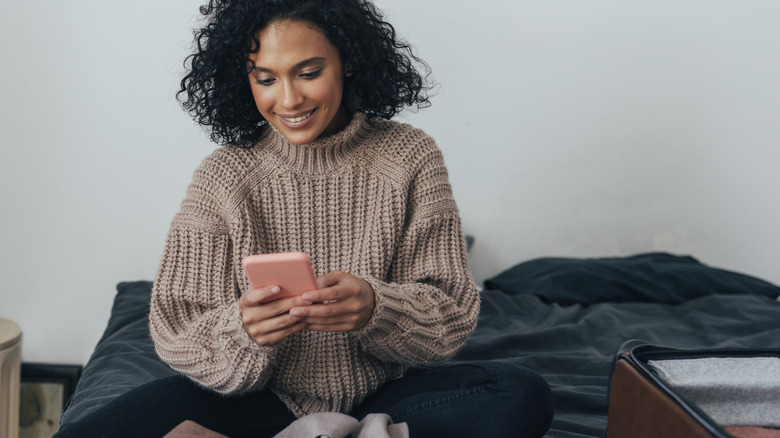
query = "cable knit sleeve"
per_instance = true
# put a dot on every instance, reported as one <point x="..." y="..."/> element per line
<point x="429" y="304"/>
<point x="194" y="318"/>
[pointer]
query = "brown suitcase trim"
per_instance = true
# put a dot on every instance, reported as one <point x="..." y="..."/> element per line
<point x="643" y="406"/>
<point x="639" y="409"/>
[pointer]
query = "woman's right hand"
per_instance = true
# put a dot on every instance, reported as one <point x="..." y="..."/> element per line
<point x="268" y="322"/>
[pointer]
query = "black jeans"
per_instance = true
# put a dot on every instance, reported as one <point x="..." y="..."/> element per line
<point x="469" y="399"/>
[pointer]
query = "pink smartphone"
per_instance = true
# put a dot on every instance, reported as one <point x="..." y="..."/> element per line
<point x="291" y="271"/>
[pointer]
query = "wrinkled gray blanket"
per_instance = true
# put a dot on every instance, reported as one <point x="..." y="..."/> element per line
<point x="564" y="318"/>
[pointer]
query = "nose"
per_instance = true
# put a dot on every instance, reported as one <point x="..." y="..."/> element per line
<point x="291" y="97"/>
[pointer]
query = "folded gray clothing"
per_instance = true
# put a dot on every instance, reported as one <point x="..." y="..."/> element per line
<point x="743" y="391"/>
<point x="335" y="425"/>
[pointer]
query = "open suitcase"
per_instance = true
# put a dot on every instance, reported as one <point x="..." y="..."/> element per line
<point x="664" y="392"/>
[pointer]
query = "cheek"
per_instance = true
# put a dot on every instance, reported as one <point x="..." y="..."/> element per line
<point x="329" y="91"/>
<point x="262" y="97"/>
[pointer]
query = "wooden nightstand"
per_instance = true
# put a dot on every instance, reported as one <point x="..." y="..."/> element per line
<point x="10" y="373"/>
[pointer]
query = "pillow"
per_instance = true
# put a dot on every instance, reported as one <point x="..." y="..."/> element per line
<point x="124" y="357"/>
<point x="652" y="277"/>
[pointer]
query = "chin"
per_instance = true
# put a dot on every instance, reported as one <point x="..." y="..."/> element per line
<point x="299" y="138"/>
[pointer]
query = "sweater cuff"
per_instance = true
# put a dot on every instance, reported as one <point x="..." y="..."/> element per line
<point x="391" y="310"/>
<point x="234" y="332"/>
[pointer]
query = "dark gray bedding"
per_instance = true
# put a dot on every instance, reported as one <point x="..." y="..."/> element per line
<point x="564" y="318"/>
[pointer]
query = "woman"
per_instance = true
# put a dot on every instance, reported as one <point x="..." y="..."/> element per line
<point x="300" y="94"/>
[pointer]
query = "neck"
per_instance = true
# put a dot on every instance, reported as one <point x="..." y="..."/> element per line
<point x="340" y="121"/>
<point x="324" y="154"/>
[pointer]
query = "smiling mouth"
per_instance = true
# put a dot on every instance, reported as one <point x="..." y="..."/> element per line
<point x="299" y="118"/>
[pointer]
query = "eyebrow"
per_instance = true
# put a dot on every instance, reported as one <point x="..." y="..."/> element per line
<point x="296" y="66"/>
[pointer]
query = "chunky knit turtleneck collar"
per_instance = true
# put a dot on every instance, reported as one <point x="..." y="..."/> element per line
<point x="323" y="154"/>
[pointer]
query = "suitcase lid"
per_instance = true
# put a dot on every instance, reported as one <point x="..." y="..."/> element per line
<point x="637" y="353"/>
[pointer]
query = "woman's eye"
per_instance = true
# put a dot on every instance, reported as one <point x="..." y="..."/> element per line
<point x="265" y="82"/>
<point x="311" y="74"/>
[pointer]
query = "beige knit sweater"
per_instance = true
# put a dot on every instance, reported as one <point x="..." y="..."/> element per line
<point x="374" y="201"/>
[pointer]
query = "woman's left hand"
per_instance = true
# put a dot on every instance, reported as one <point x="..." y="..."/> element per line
<point x="342" y="303"/>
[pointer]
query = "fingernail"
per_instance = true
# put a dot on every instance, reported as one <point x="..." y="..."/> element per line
<point x="307" y="297"/>
<point x="275" y="289"/>
<point x="295" y="312"/>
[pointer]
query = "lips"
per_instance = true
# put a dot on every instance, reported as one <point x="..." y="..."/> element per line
<point x="297" y="120"/>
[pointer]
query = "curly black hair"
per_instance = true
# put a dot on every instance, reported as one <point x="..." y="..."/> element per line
<point x="385" y="76"/>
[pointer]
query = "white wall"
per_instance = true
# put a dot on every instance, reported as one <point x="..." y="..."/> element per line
<point x="570" y="128"/>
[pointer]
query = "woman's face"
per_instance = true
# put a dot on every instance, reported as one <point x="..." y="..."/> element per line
<point x="298" y="81"/>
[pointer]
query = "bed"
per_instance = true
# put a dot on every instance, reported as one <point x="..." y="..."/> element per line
<point x="563" y="317"/>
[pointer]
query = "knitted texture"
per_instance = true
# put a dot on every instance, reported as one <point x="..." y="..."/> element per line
<point x="374" y="201"/>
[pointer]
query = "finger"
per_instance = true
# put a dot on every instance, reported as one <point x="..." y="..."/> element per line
<point x="346" y="315"/>
<point x="260" y="327"/>
<point x="330" y="279"/>
<point x="267" y="338"/>
<point x="263" y="312"/>
<point x="255" y="297"/>
<point x="338" y="292"/>
<point x="331" y="318"/>
<point x="328" y="310"/>
<point x="330" y="327"/>
<point x="328" y="295"/>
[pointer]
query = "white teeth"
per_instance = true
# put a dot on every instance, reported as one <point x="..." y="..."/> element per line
<point x="298" y="119"/>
